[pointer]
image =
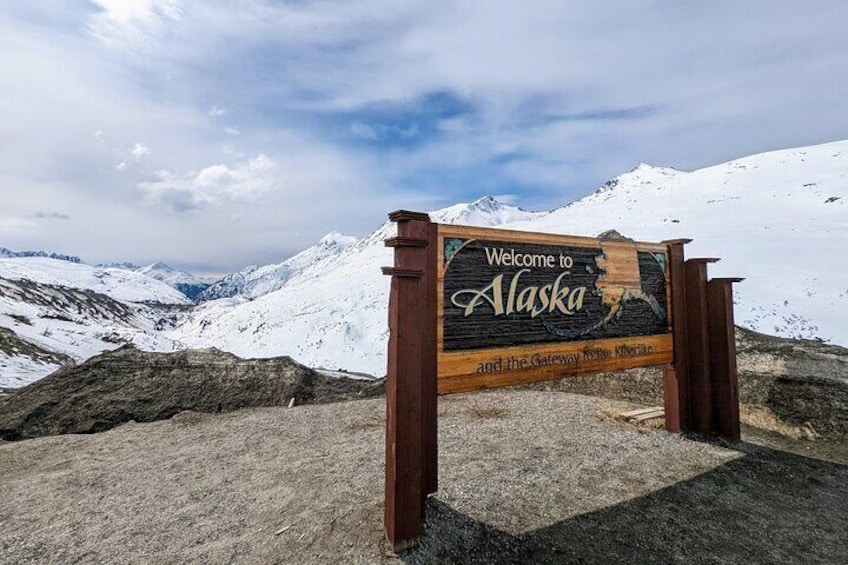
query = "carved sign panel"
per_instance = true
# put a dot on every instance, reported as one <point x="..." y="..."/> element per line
<point x="518" y="307"/>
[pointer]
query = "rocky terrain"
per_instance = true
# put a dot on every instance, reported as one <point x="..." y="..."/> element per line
<point x="230" y="473"/>
<point x="797" y="388"/>
<point x="525" y="477"/>
<point x="128" y="384"/>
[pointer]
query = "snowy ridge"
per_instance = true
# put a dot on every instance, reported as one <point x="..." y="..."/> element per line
<point x="186" y="283"/>
<point x="332" y="313"/>
<point x="119" y="284"/>
<point x="255" y="281"/>
<point x="53" y="311"/>
<point x="778" y="219"/>
<point x="9" y="254"/>
<point x="168" y="275"/>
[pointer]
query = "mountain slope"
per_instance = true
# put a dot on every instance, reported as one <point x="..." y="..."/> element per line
<point x="256" y="281"/>
<point x="779" y="219"/>
<point x="186" y="283"/>
<point x="331" y="313"/>
<point x="53" y="312"/>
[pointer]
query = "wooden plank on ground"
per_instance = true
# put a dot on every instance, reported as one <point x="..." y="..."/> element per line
<point x="640" y="411"/>
<point x="660" y="413"/>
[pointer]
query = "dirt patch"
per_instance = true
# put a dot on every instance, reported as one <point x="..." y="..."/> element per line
<point x="128" y="384"/>
<point x="487" y="411"/>
<point x="551" y="483"/>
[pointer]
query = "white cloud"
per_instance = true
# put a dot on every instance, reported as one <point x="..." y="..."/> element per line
<point x="232" y="131"/>
<point x="132" y="22"/>
<point x="139" y="150"/>
<point x="41" y="215"/>
<point x="212" y="185"/>
<point x="135" y="11"/>
<point x="313" y="82"/>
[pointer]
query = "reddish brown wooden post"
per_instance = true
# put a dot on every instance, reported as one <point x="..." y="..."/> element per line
<point x="411" y="367"/>
<point x="725" y="387"/>
<point x="698" y="345"/>
<point x="676" y="375"/>
<point x="430" y="392"/>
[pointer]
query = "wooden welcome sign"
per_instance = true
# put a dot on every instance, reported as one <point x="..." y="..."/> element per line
<point x="518" y="307"/>
<point x="473" y="308"/>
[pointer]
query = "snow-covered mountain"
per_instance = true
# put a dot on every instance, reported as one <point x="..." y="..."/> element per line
<point x="331" y="312"/>
<point x="253" y="281"/>
<point x="187" y="283"/>
<point x="54" y="311"/>
<point x="778" y="219"/>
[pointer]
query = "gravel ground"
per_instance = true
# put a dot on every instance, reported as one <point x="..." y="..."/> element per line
<point x="525" y="477"/>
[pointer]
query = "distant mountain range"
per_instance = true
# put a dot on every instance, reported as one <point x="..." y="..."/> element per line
<point x="778" y="219"/>
<point x="8" y="254"/>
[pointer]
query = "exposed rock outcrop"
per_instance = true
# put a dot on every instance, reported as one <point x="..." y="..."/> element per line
<point x="128" y="384"/>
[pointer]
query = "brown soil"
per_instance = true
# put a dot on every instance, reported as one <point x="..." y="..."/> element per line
<point x="525" y="477"/>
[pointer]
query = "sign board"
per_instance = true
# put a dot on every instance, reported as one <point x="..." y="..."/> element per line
<point x="473" y="308"/>
<point x="515" y="307"/>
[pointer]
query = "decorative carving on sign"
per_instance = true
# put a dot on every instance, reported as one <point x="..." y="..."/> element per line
<point x="452" y="246"/>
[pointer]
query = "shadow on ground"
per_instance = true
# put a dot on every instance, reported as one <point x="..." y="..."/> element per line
<point x="766" y="507"/>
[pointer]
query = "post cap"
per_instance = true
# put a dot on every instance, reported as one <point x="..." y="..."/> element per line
<point x="406" y="215"/>
<point x="704" y="260"/>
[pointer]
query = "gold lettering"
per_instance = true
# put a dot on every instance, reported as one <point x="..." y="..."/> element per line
<point x="534" y="300"/>
<point x="527" y="298"/>
<point x="495" y="301"/>
<point x="575" y="299"/>
<point x="513" y="286"/>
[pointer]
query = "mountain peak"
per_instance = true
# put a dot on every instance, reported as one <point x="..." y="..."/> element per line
<point x="487" y="203"/>
<point x="338" y="239"/>
<point x="485" y="211"/>
<point x="642" y="173"/>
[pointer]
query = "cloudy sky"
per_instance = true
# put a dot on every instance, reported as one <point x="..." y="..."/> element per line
<point x="213" y="134"/>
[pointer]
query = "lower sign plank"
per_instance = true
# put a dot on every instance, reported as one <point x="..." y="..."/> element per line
<point x="472" y="370"/>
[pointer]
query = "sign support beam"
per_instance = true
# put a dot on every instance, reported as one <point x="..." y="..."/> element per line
<point x="698" y="345"/>
<point x="723" y="376"/>
<point x="411" y="380"/>
<point x="676" y="375"/>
